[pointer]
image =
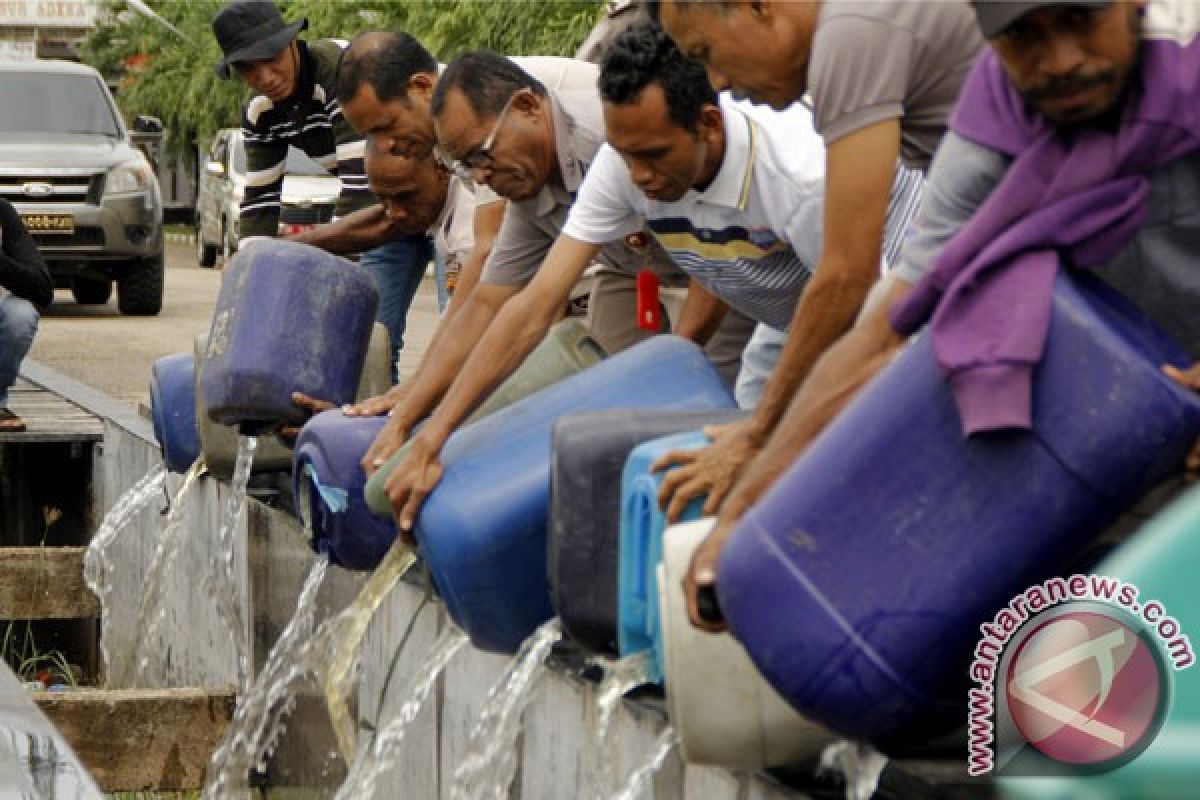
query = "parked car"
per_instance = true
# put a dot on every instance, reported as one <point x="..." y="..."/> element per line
<point x="88" y="196"/>
<point x="309" y="196"/>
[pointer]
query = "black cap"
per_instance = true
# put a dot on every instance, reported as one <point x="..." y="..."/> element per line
<point x="996" y="15"/>
<point x="248" y="30"/>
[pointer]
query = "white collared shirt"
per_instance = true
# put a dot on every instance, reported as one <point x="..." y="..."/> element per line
<point x="752" y="236"/>
<point x="453" y="233"/>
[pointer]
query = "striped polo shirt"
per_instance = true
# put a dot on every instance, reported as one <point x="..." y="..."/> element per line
<point x="311" y="120"/>
<point x="753" y="236"/>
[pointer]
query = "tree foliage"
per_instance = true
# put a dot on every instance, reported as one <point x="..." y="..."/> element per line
<point x="170" y="75"/>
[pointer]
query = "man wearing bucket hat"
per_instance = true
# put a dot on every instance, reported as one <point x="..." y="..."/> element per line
<point x="1084" y="108"/>
<point x="296" y="106"/>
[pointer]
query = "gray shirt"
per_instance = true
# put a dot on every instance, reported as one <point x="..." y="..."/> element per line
<point x="1157" y="271"/>
<point x="875" y="60"/>
<point x="531" y="226"/>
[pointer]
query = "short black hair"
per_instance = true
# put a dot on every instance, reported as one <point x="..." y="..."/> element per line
<point x="643" y="54"/>
<point x="385" y="61"/>
<point x="487" y="80"/>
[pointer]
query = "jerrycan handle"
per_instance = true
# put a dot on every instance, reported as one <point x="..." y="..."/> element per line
<point x="576" y="337"/>
<point x="643" y="511"/>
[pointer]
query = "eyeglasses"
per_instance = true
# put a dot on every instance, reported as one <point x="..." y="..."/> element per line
<point x="481" y="159"/>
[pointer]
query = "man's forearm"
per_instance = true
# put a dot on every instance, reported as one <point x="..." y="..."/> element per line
<point x="363" y="230"/>
<point x="512" y="336"/>
<point x="826" y="310"/>
<point x="443" y="360"/>
<point x="836" y="378"/>
<point x="702" y="314"/>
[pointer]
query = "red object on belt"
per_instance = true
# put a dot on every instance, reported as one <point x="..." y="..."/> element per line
<point x="648" y="309"/>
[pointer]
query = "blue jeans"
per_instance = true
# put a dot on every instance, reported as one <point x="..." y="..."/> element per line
<point x="758" y="362"/>
<point x="398" y="268"/>
<point x="18" y="324"/>
<point x="439" y="270"/>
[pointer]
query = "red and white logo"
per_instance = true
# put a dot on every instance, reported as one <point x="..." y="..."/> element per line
<point x="1085" y="689"/>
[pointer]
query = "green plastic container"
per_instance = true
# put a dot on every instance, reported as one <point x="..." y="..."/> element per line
<point x="567" y="349"/>
<point x="1162" y="560"/>
<point x="219" y="443"/>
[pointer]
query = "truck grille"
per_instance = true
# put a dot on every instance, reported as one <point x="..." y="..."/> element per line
<point x="305" y="215"/>
<point x="52" y="189"/>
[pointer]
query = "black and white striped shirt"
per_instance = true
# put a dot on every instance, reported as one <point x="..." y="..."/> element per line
<point x="311" y="120"/>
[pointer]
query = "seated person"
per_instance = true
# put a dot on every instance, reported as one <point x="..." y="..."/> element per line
<point x="735" y="200"/>
<point x="25" y="287"/>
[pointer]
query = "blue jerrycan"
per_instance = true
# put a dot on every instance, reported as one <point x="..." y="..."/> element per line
<point x="173" y="410"/>
<point x="585" y="509"/>
<point x="859" y="582"/>
<point x="567" y="349"/>
<point x="640" y="545"/>
<point x="289" y="318"/>
<point x="482" y="531"/>
<point x="329" y="483"/>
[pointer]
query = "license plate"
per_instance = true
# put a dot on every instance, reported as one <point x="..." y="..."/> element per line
<point x="291" y="228"/>
<point x="49" y="223"/>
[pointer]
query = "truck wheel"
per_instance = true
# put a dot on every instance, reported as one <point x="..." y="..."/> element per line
<point x="91" y="292"/>
<point x="140" y="287"/>
<point x="206" y="254"/>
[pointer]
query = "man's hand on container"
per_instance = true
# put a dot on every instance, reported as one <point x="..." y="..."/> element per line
<point x="378" y="405"/>
<point x="712" y="471"/>
<point x="312" y="405"/>
<point x="390" y="438"/>
<point x="1189" y="379"/>
<point x="413" y="479"/>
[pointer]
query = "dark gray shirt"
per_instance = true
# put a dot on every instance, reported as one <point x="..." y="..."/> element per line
<point x="1157" y="271"/>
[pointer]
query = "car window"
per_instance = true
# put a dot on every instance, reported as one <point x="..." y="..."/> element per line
<point x="298" y="163"/>
<point x="52" y="103"/>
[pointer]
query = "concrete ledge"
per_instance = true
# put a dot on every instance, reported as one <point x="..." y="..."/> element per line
<point x="91" y="400"/>
<point x="44" y="583"/>
<point x="136" y="739"/>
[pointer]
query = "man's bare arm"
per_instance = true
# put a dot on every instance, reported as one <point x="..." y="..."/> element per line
<point x="860" y="169"/>
<point x="702" y="314"/>
<point x="517" y="329"/>
<point x="358" y="232"/>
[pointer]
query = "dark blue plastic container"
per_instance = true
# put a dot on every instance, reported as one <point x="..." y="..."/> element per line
<point x="641" y="546"/>
<point x="859" y="582"/>
<point x="328" y="483"/>
<point x="289" y="318"/>
<point x="590" y="451"/>
<point x="482" y="531"/>
<point x="173" y="410"/>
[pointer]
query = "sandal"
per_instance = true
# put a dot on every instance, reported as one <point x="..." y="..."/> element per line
<point x="10" y="422"/>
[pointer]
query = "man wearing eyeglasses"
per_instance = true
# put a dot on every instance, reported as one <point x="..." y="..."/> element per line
<point x="555" y="152"/>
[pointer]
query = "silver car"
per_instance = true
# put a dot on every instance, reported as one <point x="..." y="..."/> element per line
<point x="86" y="193"/>
<point x="309" y="196"/>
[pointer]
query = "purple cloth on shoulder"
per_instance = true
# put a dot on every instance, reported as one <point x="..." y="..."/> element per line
<point x="1077" y="194"/>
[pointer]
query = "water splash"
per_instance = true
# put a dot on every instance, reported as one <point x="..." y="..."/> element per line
<point x="222" y="574"/>
<point x="251" y="736"/>
<point x="860" y="765"/>
<point x="337" y="666"/>
<point x="620" y="677"/>
<point x="160" y="566"/>
<point x="380" y="755"/>
<point x="641" y="776"/>
<point x="490" y="765"/>
<point x="330" y="654"/>
<point x="97" y="566"/>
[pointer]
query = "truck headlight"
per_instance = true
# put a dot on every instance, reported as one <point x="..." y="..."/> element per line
<point x="132" y="177"/>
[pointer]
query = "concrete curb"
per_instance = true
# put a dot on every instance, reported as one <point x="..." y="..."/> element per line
<point x="92" y="400"/>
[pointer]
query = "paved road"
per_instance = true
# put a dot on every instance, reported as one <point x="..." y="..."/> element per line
<point x="98" y="346"/>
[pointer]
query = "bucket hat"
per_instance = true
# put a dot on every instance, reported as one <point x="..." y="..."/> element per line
<point x="248" y="30"/>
